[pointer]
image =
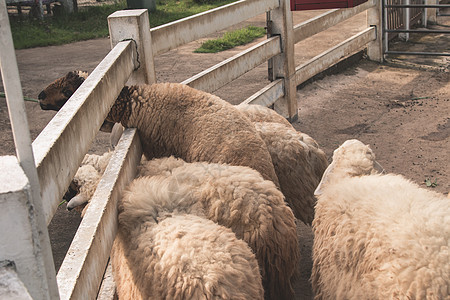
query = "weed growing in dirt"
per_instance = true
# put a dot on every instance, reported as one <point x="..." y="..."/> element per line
<point x="430" y="183"/>
<point x="232" y="39"/>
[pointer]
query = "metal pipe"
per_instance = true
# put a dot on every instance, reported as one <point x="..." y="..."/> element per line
<point x="418" y="30"/>
<point x="419" y="53"/>
<point x="418" y="6"/>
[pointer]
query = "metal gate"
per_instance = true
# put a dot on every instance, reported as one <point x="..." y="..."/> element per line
<point x="402" y="17"/>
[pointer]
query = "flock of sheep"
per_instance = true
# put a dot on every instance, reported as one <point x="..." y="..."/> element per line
<point x="213" y="211"/>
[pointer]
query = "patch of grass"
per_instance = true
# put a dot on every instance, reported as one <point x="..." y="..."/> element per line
<point x="91" y="22"/>
<point x="232" y="39"/>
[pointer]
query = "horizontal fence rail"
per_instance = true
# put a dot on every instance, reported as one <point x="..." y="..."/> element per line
<point x="226" y="71"/>
<point x="267" y="95"/>
<point x="177" y="33"/>
<point x="328" y="58"/>
<point x="61" y="146"/>
<point x="327" y="20"/>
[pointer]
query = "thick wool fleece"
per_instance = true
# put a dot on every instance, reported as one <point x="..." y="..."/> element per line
<point x="172" y="256"/>
<point x="238" y="198"/>
<point x="259" y="113"/>
<point x="299" y="166"/>
<point x="174" y="119"/>
<point x="378" y="236"/>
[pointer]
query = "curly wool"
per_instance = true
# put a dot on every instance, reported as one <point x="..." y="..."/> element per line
<point x="378" y="236"/>
<point x="296" y="157"/>
<point x="237" y="198"/>
<point x="178" y="256"/>
<point x="174" y="119"/>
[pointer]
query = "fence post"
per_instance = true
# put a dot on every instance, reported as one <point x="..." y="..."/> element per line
<point x="279" y="22"/>
<point x="430" y="14"/>
<point x="134" y="24"/>
<point x="374" y="18"/>
<point x="24" y="237"/>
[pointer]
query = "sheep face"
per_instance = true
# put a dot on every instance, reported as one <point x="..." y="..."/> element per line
<point x="55" y="95"/>
<point x="351" y="159"/>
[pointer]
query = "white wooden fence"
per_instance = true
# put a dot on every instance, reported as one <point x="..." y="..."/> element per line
<point x="61" y="146"/>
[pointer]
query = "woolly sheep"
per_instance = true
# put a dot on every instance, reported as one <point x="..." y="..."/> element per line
<point x="239" y="198"/>
<point x="86" y="179"/>
<point x="235" y="197"/>
<point x="296" y="157"/>
<point x="161" y="254"/>
<point x="174" y="119"/>
<point x="378" y="236"/>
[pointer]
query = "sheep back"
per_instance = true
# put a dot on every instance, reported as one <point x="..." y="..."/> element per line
<point x="182" y="257"/>
<point x="238" y="198"/>
<point x="259" y="113"/>
<point x="174" y="119"/>
<point x="381" y="237"/>
<point x="299" y="166"/>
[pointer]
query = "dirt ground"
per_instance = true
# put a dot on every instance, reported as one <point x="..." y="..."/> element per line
<point x="401" y="109"/>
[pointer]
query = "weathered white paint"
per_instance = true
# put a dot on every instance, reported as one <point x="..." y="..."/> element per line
<point x="328" y="19"/>
<point x="328" y="58"/>
<point x="267" y="95"/>
<point x="134" y="24"/>
<point x="45" y="283"/>
<point x="226" y="71"/>
<point x="11" y="287"/>
<point x="177" y="33"/>
<point x="375" y="48"/>
<point x="81" y="271"/>
<point x="19" y="239"/>
<point x="61" y="146"/>
<point x="283" y="65"/>
<point x="108" y="287"/>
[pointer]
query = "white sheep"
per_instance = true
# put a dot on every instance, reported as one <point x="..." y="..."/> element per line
<point x="378" y="236"/>
<point x="86" y="179"/>
<point x="298" y="161"/>
<point x="238" y="198"/>
<point x="161" y="254"/>
<point x="235" y="197"/>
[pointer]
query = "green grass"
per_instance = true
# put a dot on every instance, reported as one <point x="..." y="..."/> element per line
<point x="232" y="39"/>
<point x="91" y="22"/>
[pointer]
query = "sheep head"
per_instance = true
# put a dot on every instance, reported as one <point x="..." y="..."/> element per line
<point x="351" y="159"/>
<point x="56" y="94"/>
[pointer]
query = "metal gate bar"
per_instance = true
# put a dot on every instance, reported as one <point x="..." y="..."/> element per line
<point x="386" y="31"/>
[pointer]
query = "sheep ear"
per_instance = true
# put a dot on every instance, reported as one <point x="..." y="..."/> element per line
<point x="116" y="133"/>
<point x="78" y="200"/>
<point x="378" y="168"/>
<point x="325" y="179"/>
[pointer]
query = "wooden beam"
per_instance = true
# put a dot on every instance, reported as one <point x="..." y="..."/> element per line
<point x="177" y="33"/>
<point x="226" y="71"/>
<point x="328" y="58"/>
<point x="327" y="20"/>
<point x="82" y="270"/>
<point x="61" y="146"/>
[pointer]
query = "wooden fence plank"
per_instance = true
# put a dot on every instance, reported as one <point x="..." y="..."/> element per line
<point x="81" y="272"/>
<point x="226" y="71"/>
<point x="177" y="33"/>
<point x="61" y="146"/>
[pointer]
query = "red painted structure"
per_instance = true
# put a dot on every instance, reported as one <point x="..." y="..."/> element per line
<point x="323" y="4"/>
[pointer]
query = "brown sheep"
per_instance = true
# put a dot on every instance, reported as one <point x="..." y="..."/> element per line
<point x="174" y="119"/>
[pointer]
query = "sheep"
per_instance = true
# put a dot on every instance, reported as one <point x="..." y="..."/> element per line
<point x="85" y="181"/>
<point x="378" y="236"/>
<point x="298" y="161"/>
<point x="238" y="198"/>
<point x="174" y="119"/>
<point x="161" y="254"/>
<point x="60" y="90"/>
